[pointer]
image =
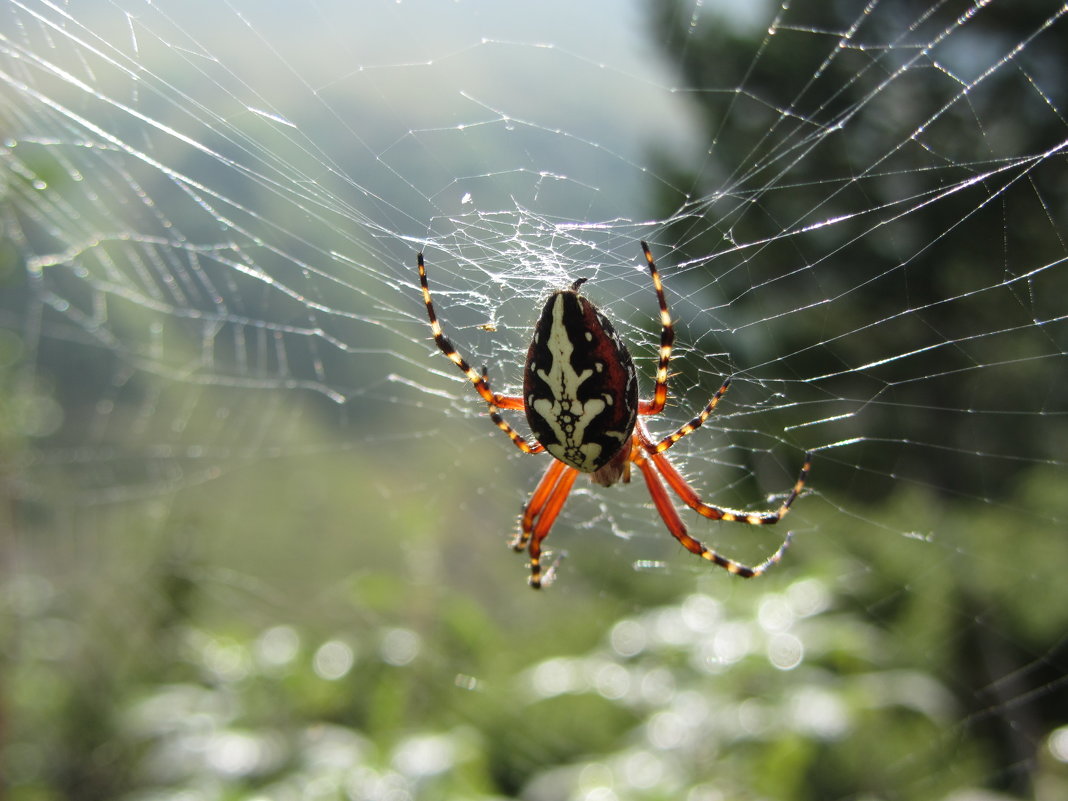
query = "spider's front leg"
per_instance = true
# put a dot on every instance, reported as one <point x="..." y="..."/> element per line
<point x="541" y="512"/>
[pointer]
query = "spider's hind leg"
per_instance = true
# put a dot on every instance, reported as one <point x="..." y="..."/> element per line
<point x="667" y="340"/>
<point x="480" y="381"/>
<point x="445" y="346"/>
<point x="495" y="416"/>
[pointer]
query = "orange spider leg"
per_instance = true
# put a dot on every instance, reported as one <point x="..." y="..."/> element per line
<point x="678" y="529"/>
<point x="546" y="520"/>
<point x="541" y="512"/>
<point x="691" y="499"/>
<point x="509" y="402"/>
<point x="537" y="502"/>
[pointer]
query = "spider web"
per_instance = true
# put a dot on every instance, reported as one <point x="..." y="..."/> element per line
<point x="211" y="215"/>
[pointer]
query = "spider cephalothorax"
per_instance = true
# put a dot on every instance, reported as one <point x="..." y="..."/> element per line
<point x="580" y="396"/>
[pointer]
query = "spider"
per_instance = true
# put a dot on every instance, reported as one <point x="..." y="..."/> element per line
<point x="580" y="396"/>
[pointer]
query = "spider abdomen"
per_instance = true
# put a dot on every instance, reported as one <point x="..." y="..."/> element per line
<point x="580" y="388"/>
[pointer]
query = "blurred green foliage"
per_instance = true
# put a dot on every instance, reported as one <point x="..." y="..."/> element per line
<point x="279" y="633"/>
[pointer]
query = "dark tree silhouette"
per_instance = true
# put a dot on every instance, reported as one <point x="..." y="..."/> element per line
<point x="948" y="192"/>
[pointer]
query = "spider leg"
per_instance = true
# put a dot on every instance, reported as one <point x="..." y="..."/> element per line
<point x="537" y="503"/>
<point x="446" y="346"/>
<point x="481" y="382"/>
<point x="696" y="423"/>
<point x="690" y="497"/>
<point x="677" y="528"/>
<point x="546" y="520"/>
<point x="541" y="512"/>
<point x="667" y="339"/>
<point x="502" y="424"/>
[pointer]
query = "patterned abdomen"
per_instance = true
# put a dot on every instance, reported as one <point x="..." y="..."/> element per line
<point x="579" y="386"/>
